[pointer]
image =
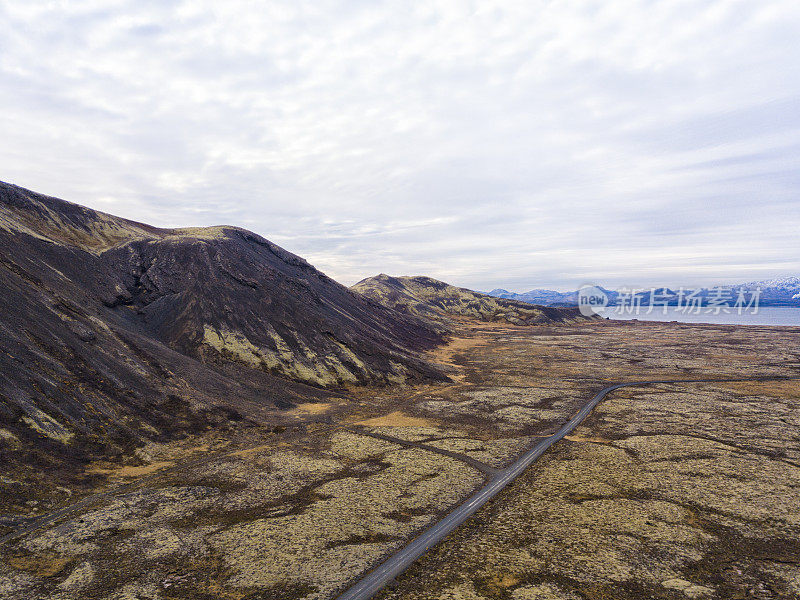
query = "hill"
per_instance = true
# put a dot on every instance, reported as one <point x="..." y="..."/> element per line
<point x="438" y="301"/>
<point x="114" y="332"/>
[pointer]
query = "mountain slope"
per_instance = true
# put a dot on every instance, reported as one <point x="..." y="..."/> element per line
<point x="113" y="332"/>
<point x="435" y="300"/>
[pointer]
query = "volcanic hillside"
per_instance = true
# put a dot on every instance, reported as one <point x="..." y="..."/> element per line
<point x="113" y="332"/>
<point x="435" y="300"/>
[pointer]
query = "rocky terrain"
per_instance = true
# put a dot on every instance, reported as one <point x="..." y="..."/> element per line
<point x="670" y="492"/>
<point x="439" y="302"/>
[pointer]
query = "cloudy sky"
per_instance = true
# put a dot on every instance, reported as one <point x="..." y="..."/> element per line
<point x="492" y="143"/>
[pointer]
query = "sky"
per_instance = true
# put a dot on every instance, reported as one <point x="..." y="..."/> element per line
<point x="490" y="144"/>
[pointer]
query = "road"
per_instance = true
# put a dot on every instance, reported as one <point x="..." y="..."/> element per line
<point x="375" y="580"/>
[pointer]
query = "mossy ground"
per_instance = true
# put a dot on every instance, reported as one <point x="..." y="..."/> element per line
<point x="671" y="491"/>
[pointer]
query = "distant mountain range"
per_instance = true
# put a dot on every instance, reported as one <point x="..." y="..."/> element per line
<point x="783" y="291"/>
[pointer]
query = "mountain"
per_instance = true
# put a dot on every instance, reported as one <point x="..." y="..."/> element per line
<point x="438" y="301"/>
<point x="790" y="283"/>
<point x="114" y="332"/>
<point x="539" y="296"/>
<point x="783" y="291"/>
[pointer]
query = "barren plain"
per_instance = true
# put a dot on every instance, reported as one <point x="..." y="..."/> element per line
<point x="670" y="491"/>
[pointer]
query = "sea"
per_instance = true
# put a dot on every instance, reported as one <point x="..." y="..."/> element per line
<point x="766" y="315"/>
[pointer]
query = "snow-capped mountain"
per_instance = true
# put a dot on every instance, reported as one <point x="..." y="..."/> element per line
<point x="781" y="291"/>
<point x="788" y="284"/>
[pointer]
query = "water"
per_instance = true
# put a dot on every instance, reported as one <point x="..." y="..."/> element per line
<point x="766" y="315"/>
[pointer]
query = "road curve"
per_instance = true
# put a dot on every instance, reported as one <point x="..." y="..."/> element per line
<point x="375" y="580"/>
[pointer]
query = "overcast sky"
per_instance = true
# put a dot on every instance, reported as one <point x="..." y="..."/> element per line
<point x="490" y="144"/>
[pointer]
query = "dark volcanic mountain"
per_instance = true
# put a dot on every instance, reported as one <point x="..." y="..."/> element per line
<point x="113" y="332"/>
<point x="438" y="301"/>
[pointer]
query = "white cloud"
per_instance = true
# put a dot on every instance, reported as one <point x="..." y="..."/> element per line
<point x="522" y="144"/>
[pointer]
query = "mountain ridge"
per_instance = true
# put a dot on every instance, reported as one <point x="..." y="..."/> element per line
<point x="438" y="301"/>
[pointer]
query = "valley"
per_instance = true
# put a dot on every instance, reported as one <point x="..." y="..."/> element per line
<point x="244" y="354"/>
<point x="302" y="512"/>
<point x="199" y="414"/>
